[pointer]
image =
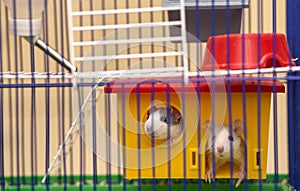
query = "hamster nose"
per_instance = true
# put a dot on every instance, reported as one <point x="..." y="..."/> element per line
<point x="149" y="128"/>
<point x="220" y="149"/>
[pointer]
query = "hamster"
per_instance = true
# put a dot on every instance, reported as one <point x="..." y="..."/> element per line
<point x="222" y="148"/>
<point x="158" y="123"/>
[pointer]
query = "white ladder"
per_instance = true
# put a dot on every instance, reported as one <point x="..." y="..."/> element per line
<point x="181" y="70"/>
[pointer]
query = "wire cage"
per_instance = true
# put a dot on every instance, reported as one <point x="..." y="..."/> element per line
<point x="149" y="95"/>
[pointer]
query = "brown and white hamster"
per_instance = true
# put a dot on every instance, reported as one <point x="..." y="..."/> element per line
<point x="222" y="141"/>
<point x="158" y="123"/>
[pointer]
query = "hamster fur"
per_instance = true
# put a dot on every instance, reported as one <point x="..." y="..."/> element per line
<point x="158" y="122"/>
<point x="222" y="149"/>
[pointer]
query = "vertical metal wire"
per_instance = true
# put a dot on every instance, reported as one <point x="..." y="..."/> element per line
<point x="82" y="125"/>
<point x="128" y="33"/>
<point x="92" y="36"/>
<point x="33" y="109"/>
<point x="259" y="29"/>
<point x="139" y="158"/>
<point x="47" y="92"/>
<point x="81" y="177"/>
<point x="116" y="32"/>
<point x="58" y="92"/>
<point x="152" y="138"/>
<point x="274" y="44"/>
<point x="33" y="105"/>
<point x="152" y="34"/>
<point x="9" y="97"/>
<point x="183" y="97"/>
<point x="117" y="115"/>
<point x="213" y="9"/>
<point x="140" y="50"/>
<point x="68" y="53"/>
<point x="140" y="36"/>
<point x="108" y="139"/>
<point x="2" y="180"/>
<point x="138" y="109"/>
<point x="184" y="64"/>
<point x="154" y="186"/>
<point x="249" y="17"/>
<point x="291" y="85"/>
<point x="123" y="105"/>
<point x="184" y="47"/>
<point x="293" y="94"/>
<point x="22" y="119"/>
<point x="95" y="180"/>
<point x="184" y="79"/>
<point x="35" y="125"/>
<point x="293" y="39"/>
<point x="17" y="116"/>
<point x="168" y="98"/>
<point x="123" y="135"/>
<point x="164" y="35"/>
<point x="119" y="152"/>
<point x="228" y="92"/>
<point x="61" y="4"/>
<point x="244" y="105"/>
<point x="103" y="6"/>
<point x="198" y="90"/>
<point x="261" y="17"/>
<point x="83" y="149"/>
<point x="17" y="105"/>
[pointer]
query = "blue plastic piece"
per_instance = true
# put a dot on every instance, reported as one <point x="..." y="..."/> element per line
<point x="293" y="21"/>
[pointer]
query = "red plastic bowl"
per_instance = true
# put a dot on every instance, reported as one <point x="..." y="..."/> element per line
<point x="252" y="59"/>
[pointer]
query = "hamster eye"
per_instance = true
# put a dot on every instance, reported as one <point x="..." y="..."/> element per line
<point x="213" y="137"/>
<point x="230" y="138"/>
<point x="164" y="119"/>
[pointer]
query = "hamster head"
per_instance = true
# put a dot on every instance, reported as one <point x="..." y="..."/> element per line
<point x="162" y="119"/>
<point x="223" y="139"/>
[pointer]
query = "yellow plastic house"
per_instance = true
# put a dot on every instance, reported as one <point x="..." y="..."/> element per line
<point x="146" y="158"/>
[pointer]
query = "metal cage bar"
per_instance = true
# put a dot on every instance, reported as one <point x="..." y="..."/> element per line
<point x="15" y="81"/>
<point x="293" y="37"/>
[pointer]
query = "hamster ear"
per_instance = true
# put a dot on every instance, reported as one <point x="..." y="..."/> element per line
<point x="176" y="113"/>
<point x="178" y="118"/>
<point x="148" y="114"/>
<point x="238" y="127"/>
<point x="174" y="110"/>
<point x="206" y="124"/>
<point x="153" y="108"/>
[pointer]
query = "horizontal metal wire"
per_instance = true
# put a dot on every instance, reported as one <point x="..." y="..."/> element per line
<point x="165" y="80"/>
<point x="128" y="41"/>
<point x="144" y="73"/>
<point x="247" y="71"/>
<point x="35" y="75"/>
<point x="126" y="56"/>
<point x="125" y="26"/>
<point x="124" y="11"/>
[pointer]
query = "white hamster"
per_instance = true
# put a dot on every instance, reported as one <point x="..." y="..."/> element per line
<point x="160" y="120"/>
<point x="222" y="148"/>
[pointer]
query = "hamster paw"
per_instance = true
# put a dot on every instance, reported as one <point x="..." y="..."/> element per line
<point x="241" y="174"/>
<point x="208" y="176"/>
<point x="171" y="141"/>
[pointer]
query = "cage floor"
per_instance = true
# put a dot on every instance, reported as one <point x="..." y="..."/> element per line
<point x="116" y="183"/>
